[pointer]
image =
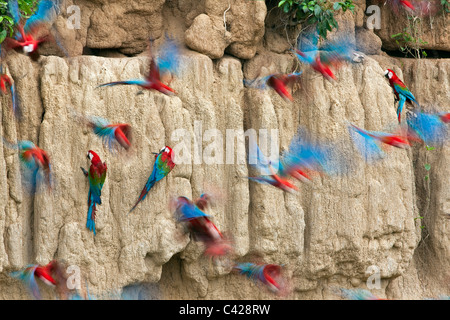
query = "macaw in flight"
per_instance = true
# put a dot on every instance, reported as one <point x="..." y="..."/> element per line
<point x="52" y="274"/>
<point x="166" y="63"/>
<point x="112" y="134"/>
<point x="372" y="144"/>
<point x="25" y="40"/>
<point x="268" y="173"/>
<point x="276" y="81"/>
<point x="429" y="128"/>
<point x="268" y="274"/>
<point x="36" y="163"/>
<point x="193" y="216"/>
<point x="329" y="56"/>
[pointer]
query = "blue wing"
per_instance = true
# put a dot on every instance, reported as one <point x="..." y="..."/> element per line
<point x="189" y="211"/>
<point x="103" y="131"/>
<point x="429" y="127"/>
<point x="169" y="56"/>
<point x="258" y="83"/>
<point x="45" y="12"/>
<point x="368" y="147"/>
<point x="13" y="7"/>
<point x="27" y="276"/>
<point x="251" y="270"/>
<point x="405" y="92"/>
<point x="262" y="163"/>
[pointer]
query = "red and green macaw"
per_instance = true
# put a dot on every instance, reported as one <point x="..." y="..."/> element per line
<point x="36" y="162"/>
<point x="401" y="92"/>
<point x="97" y="177"/>
<point x="111" y="133"/>
<point x="429" y="128"/>
<point x="276" y="177"/>
<point x="167" y="62"/>
<point x="269" y="274"/>
<point x="161" y="168"/>
<point x="25" y="40"/>
<point x="47" y="274"/>
<point x="331" y="55"/>
<point x="278" y="82"/>
<point x="371" y="144"/>
<point x="200" y="226"/>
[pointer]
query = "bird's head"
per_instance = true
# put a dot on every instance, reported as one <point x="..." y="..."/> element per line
<point x="167" y="150"/>
<point x="389" y="74"/>
<point x="91" y="155"/>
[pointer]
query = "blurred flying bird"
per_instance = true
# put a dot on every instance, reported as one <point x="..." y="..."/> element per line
<point x="429" y="128"/>
<point x="330" y="56"/>
<point x="268" y="274"/>
<point x="52" y="274"/>
<point x="112" y="134"/>
<point x="200" y="226"/>
<point x="372" y="144"/>
<point x="36" y="163"/>
<point x="278" y="82"/>
<point x="25" y="40"/>
<point x="166" y="63"/>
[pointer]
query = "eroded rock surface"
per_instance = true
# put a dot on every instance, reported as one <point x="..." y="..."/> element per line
<point x="330" y="235"/>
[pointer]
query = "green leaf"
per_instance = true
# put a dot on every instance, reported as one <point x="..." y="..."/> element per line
<point x="10" y="20"/>
<point x="2" y="36"/>
<point x="336" y="5"/>
<point x="334" y="23"/>
<point x="427" y="177"/>
<point x="430" y="148"/>
<point x="317" y="10"/>
<point x="281" y="3"/>
<point x="396" y="35"/>
<point x="312" y="20"/>
<point x="427" y="166"/>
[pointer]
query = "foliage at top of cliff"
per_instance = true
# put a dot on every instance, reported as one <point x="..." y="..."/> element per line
<point x="318" y="12"/>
